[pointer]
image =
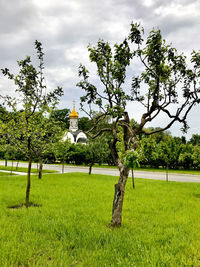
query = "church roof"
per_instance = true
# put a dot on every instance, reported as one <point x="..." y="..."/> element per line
<point x="73" y="114"/>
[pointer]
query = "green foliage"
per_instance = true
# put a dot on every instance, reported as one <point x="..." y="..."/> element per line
<point x="77" y="154"/>
<point x="185" y="157"/>
<point x="97" y="150"/>
<point x="61" y="116"/>
<point x="133" y="159"/>
<point x="61" y="150"/>
<point x="84" y="124"/>
<point x="169" y="152"/>
<point x="196" y="156"/>
<point x="30" y="124"/>
<point x="195" y="139"/>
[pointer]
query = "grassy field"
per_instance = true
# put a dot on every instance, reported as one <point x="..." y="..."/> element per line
<point x="5" y="174"/>
<point x="70" y="225"/>
<point x="22" y="169"/>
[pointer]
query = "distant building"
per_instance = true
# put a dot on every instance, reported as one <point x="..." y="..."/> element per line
<point x="74" y="134"/>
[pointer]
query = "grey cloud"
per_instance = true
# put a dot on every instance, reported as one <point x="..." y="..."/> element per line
<point x="15" y="15"/>
<point x="66" y="27"/>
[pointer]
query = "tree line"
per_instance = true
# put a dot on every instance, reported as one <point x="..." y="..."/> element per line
<point x="160" y="150"/>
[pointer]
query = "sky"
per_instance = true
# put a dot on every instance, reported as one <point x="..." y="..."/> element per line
<point x="66" y="27"/>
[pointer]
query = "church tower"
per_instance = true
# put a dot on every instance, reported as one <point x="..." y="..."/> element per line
<point x="74" y="134"/>
<point x="73" y="120"/>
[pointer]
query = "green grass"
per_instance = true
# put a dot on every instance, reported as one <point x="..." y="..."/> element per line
<point x="23" y="169"/>
<point x="193" y="172"/>
<point x="5" y="174"/>
<point x="160" y="223"/>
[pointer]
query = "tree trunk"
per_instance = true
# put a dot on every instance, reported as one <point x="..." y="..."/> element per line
<point x="40" y="170"/>
<point x="119" y="197"/>
<point x="90" y="168"/>
<point x="28" y="182"/>
<point x="11" y="170"/>
<point x="167" y="175"/>
<point x="63" y="167"/>
<point x="133" y="178"/>
<point x="6" y="163"/>
<point x="17" y="165"/>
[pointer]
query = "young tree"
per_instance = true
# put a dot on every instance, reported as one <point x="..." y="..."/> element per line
<point x="96" y="151"/>
<point x="61" y="150"/>
<point x="155" y="88"/>
<point x="51" y="133"/>
<point x="33" y="102"/>
<point x="132" y="161"/>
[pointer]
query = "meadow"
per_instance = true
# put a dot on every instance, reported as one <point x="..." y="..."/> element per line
<point x="22" y="169"/>
<point x="68" y="224"/>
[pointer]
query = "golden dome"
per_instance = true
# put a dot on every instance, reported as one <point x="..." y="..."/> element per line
<point x="73" y="114"/>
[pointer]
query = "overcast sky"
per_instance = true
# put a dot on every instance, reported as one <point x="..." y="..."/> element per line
<point x="66" y="27"/>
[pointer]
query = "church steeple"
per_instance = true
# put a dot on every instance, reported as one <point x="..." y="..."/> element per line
<point x="73" y="114"/>
<point x="73" y="119"/>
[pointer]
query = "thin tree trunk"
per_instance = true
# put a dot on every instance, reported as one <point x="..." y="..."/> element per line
<point x="90" y="168"/>
<point x="6" y="163"/>
<point x="63" y="167"/>
<point x="17" y="165"/>
<point x="119" y="197"/>
<point x="40" y="170"/>
<point x="28" y="182"/>
<point x="167" y="175"/>
<point x="133" y="178"/>
<point x="11" y="167"/>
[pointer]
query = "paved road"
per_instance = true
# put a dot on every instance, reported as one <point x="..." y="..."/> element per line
<point x="115" y="172"/>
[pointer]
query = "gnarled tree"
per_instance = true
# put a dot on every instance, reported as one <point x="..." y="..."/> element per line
<point x="164" y="80"/>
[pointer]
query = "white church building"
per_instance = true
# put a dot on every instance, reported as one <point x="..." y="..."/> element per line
<point x="74" y="134"/>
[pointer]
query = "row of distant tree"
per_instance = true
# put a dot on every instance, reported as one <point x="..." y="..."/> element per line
<point x="159" y="150"/>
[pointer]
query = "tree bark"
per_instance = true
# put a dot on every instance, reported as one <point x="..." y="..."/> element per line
<point x="63" y="167"/>
<point x="40" y="170"/>
<point x="90" y="168"/>
<point x="28" y="187"/>
<point x="17" y="165"/>
<point x="11" y="167"/>
<point x="167" y="175"/>
<point x="124" y="171"/>
<point x="133" y="178"/>
<point x="119" y="197"/>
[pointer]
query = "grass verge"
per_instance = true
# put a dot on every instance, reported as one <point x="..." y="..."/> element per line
<point x="5" y="174"/>
<point x="22" y="169"/>
<point x="69" y="226"/>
